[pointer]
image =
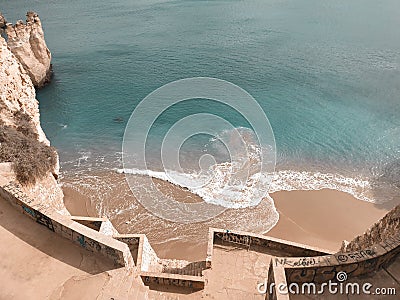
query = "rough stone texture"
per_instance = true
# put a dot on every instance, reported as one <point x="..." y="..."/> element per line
<point x="384" y="229"/>
<point x="107" y="228"/>
<point x="3" y="21"/>
<point x="17" y="94"/>
<point x="48" y="191"/>
<point x="27" y="43"/>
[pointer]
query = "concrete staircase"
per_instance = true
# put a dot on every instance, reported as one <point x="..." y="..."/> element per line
<point x="123" y="285"/>
<point x="184" y="268"/>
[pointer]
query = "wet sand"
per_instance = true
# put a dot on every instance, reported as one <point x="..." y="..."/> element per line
<point x="322" y="218"/>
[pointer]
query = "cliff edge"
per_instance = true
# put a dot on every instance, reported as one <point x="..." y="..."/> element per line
<point x="25" y="152"/>
<point x="26" y="42"/>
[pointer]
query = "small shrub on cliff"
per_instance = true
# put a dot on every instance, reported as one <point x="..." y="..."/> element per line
<point x="25" y="125"/>
<point x="31" y="159"/>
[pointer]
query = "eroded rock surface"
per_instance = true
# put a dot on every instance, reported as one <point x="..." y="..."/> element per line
<point x="17" y="93"/>
<point x="18" y="105"/>
<point x="3" y="22"/>
<point x="26" y="41"/>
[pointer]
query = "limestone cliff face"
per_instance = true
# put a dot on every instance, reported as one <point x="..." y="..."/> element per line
<point x="17" y="92"/>
<point x="26" y="41"/>
<point x="3" y="22"/>
<point x="18" y="97"/>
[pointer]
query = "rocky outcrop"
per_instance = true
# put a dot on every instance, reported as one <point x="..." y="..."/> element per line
<point x="48" y="191"/>
<point x="26" y="41"/>
<point x="19" y="111"/>
<point x="383" y="230"/>
<point x="17" y="93"/>
<point x="3" y="22"/>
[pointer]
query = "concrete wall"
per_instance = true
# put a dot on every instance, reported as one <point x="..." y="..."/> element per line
<point x="66" y="227"/>
<point x="98" y="235"/>
<point x="149" y="262"/>
<point x="93" y="223"/>
<point x="365" y="254"/>
<point x="276" y="277"/>
<point x="151" y="268"/>
<point x="306" y="264"/>
<point x="324" y="268"/>
<point x="184" y="281"/>
<point x="133" y="242"/>
<point x="261" y="243"/>
<point x="144" y="255"/>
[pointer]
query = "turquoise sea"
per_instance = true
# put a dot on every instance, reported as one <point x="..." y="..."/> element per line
<point x="326" y="73"/>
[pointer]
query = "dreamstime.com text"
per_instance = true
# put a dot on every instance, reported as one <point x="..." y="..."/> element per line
<point x="331" y="287"/>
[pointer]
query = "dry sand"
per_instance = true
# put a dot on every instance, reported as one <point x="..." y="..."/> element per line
<point x="322" y="218"/>
<point x="78" y="204"/>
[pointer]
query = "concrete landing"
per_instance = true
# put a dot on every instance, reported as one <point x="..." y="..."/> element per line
<point x="35" y="261"/>
<point x="235" y="273"/>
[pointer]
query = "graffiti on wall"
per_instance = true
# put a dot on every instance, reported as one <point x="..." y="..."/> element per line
<point x="29" y="211"/>
<point x="172" y="281"/>
<point x="354" y="264"/>
<point x="299" y="262"/>
<point x="251" y="241"/>
<point x="38" y="216"/>
<point x="44" y="220"/>
<point x="37" y="212"/>
<point x="234" y="238"/>
<point x="81" y="240"/>
<point x="355" y="256"/>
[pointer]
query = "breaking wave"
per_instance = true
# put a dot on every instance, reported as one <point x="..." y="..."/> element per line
<point x="217" y="192"/>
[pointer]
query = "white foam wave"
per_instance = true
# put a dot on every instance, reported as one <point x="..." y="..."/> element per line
<point x="219" y="190"/>
<point x="288" y="180"/>
<point x="220" y="193"/>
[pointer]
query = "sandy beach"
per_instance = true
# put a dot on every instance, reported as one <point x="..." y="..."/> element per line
<point x="322" y="218"/>
<point x="317" y="218"/>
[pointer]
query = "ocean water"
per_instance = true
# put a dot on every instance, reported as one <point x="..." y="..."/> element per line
<point x="326" y="74"/>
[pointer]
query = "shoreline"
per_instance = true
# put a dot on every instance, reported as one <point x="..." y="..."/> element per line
<point x="320" y="218"/>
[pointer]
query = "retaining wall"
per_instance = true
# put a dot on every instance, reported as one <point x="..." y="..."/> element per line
<point x="260" y="243"/>
<point x="63" y="225"/>
<point x="324" y="268"/>
<point x="98" y="235"/>
<point x="307" y="264"/>
<point x="151" y="267"/>
<point x="185" y="281"/>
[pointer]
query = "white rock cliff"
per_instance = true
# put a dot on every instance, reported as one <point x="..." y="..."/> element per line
<point x="26" y="41"/>
<point x="17" y="94"/>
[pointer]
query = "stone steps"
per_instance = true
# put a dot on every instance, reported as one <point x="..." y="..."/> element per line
<point x="191" y="269"/>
